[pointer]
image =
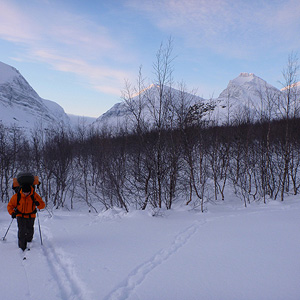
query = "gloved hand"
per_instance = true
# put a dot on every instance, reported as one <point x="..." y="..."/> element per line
<point x="13" y="215"/>
<point x="37" y="203"/>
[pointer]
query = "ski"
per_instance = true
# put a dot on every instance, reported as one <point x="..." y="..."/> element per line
<point x="24" y="253"/>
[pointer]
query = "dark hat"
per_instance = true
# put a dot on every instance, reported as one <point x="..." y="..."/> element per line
<point x="26" y="188"/>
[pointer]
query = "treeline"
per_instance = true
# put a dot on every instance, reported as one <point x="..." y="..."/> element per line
<point x="157" y="168"/>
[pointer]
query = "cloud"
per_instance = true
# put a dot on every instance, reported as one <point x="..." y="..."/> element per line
<point x="232" y="27"/>
<point x="283" y="20"/>
<point x="14" y="25"/>
<point x="66" y="41"/>
<point x="101" y="78"/>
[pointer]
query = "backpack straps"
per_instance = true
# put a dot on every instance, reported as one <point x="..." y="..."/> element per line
<point x="18" y="197"/>
<point x="33" y="200"/>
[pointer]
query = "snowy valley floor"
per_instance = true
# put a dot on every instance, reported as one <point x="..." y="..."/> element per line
<point x="229" y="252"/>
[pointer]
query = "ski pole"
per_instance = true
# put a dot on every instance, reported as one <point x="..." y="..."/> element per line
<point x="7" y="229"/>
<point x="39" y="228"/>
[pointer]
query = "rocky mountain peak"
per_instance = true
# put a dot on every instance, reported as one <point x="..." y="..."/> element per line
<point x="21" y="106"/>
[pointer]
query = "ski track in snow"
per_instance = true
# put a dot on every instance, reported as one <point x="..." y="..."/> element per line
<point x="28" y="292"/>
<point x="62" y="270"/>
<point x="138" y="275"/>
<point x="69" y="284"/>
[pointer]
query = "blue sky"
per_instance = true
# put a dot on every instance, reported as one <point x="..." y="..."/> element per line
<point x="79" y="53"/>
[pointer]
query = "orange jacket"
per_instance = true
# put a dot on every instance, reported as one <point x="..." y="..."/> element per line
<point x="26" y="205"/>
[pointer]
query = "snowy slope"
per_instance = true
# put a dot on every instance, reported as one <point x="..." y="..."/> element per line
<point x="230" y="252"/>
<point x="80" y="120"/>
<point x="20" y="105"/>
<point x="147" y="101"/>
<point x="117" y="116"/>
<point x="246" y="93"/>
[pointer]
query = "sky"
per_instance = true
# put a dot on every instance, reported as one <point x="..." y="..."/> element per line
<point x="80" y="53"/>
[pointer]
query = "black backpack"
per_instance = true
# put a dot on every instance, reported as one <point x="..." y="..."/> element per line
<point x="25" y="178"/>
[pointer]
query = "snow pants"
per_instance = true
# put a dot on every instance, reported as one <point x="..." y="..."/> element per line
<point x="26" y="231"/>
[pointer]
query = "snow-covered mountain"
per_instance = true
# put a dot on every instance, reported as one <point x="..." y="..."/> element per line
<point x="145" y="106"/>
<point x="246" y="94"/>
<point x="21" y="106"/>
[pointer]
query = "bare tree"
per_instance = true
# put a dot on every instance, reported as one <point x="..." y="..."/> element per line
<point x="10" y="148"/>
<point x="159" y="106"/>
<point x="288" y="107"/>
<point x="134" y="98"/>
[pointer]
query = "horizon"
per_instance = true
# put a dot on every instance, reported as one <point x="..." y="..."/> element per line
<point x="80" y="54"/>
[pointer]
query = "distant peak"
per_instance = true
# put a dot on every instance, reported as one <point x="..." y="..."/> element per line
<point x="245" y="74"/>
<point x="245" y="77"/>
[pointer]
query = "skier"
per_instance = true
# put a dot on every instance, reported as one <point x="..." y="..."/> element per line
<point x="22" y="206"/>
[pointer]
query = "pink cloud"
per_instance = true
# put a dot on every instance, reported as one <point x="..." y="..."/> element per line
<point x="71" y="44"/>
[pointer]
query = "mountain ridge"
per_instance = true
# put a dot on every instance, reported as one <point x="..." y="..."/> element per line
<point x="22" y="107"/>
<point x="243" y="94"/>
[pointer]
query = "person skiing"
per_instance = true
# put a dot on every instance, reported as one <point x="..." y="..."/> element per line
<point x="22" y="206"/>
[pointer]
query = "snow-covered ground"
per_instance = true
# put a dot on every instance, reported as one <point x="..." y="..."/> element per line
<point x="229" y="252"/>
